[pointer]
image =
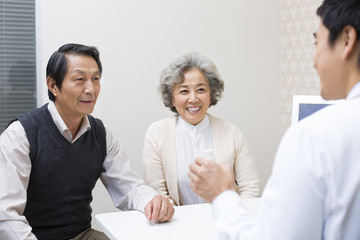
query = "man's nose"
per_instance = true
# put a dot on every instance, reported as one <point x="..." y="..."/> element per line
<point x="89" y="87"/>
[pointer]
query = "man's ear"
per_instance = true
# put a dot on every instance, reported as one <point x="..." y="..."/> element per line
<point x="50" y="82"/>
<point x="351" y="45"/>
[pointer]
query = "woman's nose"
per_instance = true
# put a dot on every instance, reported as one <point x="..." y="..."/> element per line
<point x="193" y="98"/>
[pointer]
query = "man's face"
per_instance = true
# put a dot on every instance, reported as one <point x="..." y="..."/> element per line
<point x="79" y="89"/>
<point x="327" y="62"/>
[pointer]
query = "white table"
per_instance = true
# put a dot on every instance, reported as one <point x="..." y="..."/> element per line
<point x="191" y="222"/>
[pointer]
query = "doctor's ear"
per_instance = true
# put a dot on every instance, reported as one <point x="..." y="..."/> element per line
<point x="351" y="44"/>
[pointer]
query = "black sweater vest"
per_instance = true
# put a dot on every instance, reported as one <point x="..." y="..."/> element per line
<point x="62" y="176"/>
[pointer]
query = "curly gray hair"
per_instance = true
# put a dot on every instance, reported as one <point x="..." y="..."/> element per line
<point x="174" y="74"/>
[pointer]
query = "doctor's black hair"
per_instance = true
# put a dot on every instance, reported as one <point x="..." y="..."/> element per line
<point x="336" y="14"/>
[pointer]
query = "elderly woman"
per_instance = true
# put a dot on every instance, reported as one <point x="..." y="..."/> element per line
<point x="189" y="86"/>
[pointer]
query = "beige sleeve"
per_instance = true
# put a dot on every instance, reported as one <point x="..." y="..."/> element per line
<point x="154" y="172"/>
<point x="246" y="176"/>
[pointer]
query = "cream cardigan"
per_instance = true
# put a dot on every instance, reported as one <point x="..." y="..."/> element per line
<point x="159" y="157"/>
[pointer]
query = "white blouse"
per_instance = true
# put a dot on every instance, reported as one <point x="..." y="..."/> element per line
<point x="191" y="142"/>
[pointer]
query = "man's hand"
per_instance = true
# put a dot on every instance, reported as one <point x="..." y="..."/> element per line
<point x="209" y="178"/>
<point x="159" y="209"/>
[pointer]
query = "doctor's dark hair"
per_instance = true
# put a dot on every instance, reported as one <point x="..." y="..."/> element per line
<point x="174" y="74"/>
<point x="57" y="64"/>
<point x="336" y="14"/>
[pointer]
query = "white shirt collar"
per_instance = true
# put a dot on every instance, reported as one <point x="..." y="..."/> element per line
<point x="354" y="92"/>
<point x="60" y="124"/>
<point x="187" y="126"/>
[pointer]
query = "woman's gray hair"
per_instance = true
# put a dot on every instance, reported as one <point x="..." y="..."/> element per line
<point x="174" y="74"/>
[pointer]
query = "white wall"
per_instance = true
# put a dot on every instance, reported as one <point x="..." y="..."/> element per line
<point x="298" y="76"/>
<point x="137" y="39"/>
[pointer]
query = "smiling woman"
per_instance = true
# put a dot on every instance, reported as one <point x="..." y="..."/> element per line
<point x="191" y="98"/>
<point x="189" y="86"/>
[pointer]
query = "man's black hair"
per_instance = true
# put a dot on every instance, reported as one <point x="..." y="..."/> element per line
<point x="57" y="64"/>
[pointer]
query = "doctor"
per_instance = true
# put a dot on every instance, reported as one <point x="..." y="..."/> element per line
<point x="314" y="189"/>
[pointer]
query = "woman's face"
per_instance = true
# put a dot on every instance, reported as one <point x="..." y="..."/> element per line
<point x="191" y="98"/>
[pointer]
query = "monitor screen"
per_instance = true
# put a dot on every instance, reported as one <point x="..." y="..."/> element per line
<point x="305" y="105"/>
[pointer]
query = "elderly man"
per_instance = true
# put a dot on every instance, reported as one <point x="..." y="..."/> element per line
<point x="51" y="158"/>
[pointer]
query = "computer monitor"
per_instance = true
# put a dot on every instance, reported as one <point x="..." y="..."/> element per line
<point x="305" y="105"/>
